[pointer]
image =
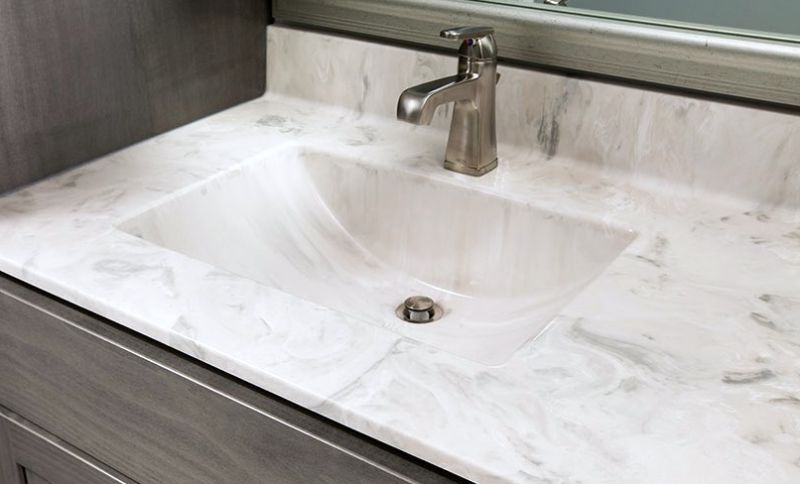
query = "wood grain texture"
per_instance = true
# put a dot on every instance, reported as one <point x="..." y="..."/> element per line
<point x="199" y="57"/>
<point x="44" y="458"/>
<point x="33" y="478"/>
<point x="9" y="471"/>
<point x="81" y="78"/>
<point x="157" y="416"/>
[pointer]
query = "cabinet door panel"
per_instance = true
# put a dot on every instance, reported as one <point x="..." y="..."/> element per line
<point x="29" y="455"/>
<point x="34" y="478"/>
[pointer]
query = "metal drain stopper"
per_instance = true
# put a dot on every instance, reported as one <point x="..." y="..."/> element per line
<point x="419" y="309"/>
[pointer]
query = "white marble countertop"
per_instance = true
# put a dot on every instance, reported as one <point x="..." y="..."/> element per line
<point x="680" y="363"/>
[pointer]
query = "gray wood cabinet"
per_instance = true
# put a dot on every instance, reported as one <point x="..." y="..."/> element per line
<point x="29" y="455"/>
<point x="83" y="400"/>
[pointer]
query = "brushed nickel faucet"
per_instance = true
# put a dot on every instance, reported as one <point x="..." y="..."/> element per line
<point x="472" y="145"/>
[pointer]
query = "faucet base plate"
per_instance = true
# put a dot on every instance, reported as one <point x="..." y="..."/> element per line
<point x="470" y="170"/>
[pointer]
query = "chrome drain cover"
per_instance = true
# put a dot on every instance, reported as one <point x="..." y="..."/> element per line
<point x="419" y="309"/>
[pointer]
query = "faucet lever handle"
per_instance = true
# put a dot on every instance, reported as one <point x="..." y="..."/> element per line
<point x="477" y="43"/>
<point x="463" y="33"/>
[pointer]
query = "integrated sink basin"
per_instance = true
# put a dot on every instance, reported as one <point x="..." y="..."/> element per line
<point x="360" y="237"/>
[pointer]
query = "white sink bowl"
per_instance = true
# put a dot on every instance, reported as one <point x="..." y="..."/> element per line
<point x="360" y="238"/>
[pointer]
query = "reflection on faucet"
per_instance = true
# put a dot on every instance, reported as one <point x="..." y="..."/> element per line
<point x="472" y="145"/>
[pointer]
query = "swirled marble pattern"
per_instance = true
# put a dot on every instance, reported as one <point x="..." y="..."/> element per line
<point x="700" y="145"/>
<point x="679" y="363"/>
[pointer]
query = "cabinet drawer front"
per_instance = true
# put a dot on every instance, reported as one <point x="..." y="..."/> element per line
<point x="157" y="416"/>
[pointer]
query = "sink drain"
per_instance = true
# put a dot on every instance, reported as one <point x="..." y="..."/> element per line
<point x="419" y="309"/>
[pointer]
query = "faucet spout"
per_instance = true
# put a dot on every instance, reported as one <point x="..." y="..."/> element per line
<point x="418" y="104"/>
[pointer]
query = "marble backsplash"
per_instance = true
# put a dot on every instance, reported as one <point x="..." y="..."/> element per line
<point x="675" y="142"/>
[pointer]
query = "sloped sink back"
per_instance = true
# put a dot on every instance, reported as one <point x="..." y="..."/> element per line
<point x="359" y="238"/>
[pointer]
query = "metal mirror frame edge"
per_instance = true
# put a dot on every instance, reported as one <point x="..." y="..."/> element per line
<point x="742" y="67"/>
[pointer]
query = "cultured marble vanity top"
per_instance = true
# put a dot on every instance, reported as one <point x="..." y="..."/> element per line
<point x="679" y="362"/>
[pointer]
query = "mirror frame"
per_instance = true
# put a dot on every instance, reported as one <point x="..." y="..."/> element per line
<point x="742" y="67"/>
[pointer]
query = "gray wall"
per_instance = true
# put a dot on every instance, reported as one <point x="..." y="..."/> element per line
<point x="81" y="78"/>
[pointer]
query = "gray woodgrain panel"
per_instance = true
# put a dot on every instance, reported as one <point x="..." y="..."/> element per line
<point x="47" y="459"/>
<point x="81" y="78"/>
<point x="741" y="67"/>
<point x="199" y="57"/>
<point x="157" y="416"/>
<point x="9" y="472"/>
<point x="33" y="478"/>
<point x="69" y="86"/>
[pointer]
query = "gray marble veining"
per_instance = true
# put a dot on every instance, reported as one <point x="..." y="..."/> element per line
<point x="699" y="145"/>
<point x="680" y="362"/>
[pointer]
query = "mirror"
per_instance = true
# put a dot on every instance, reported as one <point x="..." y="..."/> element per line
<point x="771" y="19"/>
